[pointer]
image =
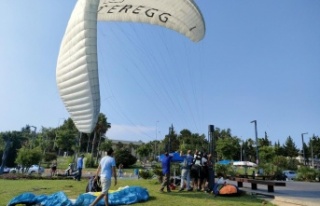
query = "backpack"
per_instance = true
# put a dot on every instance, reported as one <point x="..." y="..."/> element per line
<point x="94" y="186"/>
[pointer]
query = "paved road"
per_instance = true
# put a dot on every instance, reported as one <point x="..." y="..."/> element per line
<point x="295" y="193"/>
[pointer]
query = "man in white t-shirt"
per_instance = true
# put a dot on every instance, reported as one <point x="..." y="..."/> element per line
<point x="106" y="168"/>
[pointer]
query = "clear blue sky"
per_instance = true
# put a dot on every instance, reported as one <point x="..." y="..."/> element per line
<point x="259" y="60"/>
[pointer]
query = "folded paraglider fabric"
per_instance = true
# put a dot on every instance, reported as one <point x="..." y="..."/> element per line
<point x="122" y="196"/>
<point x="226" y="189"/>
<point x="58" y="199"/>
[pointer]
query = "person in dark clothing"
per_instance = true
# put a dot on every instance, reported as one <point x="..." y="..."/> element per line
<point x="166" y="172"/>
<point x="196" y="169"/>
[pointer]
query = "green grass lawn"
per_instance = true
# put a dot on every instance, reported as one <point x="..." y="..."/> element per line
<point x="12" y="188"/>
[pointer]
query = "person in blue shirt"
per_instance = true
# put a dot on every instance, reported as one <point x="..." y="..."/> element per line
<point x="79" y="167"/>
<point x="165" y="162"/>
<point x="185" y="170"/>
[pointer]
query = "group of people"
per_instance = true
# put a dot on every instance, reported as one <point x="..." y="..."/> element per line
<point x="194" y="169"/>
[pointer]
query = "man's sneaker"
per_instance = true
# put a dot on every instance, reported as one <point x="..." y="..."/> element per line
<point x="181" y="189"/>
<point x="190" y="189"/>
<point x="161" y="190"/>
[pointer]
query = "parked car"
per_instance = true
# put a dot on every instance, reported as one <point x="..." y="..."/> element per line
<point x="281" y="177"/>
<point x="290" y="174"/>
<point x="6" y="169"/>
<point x="34" y="169"/>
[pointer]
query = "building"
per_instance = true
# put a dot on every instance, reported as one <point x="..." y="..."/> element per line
<point x="132" y="145"/>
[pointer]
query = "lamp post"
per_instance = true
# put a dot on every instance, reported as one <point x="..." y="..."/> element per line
<point x="257" y="143"/>
<point x="241" y="145"/>
<point x="303" y="149"/>
<point x="34" y="134"/>
<point x="312" y="157"/>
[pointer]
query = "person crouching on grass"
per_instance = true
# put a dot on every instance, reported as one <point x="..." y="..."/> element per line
<point x="106" y="168"/>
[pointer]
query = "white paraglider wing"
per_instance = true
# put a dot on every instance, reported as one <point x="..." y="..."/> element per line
<point x="180" y="15"/>
<point x="77" y="65"/>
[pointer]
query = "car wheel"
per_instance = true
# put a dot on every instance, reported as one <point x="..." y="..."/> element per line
<point x="13" y="171"/>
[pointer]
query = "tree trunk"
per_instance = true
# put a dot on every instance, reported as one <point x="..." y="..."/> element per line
<point x="98" y="149"/>
<point x="93" y="143"/>
<point x="88" y="143"/>
<point x="4" y="155"/>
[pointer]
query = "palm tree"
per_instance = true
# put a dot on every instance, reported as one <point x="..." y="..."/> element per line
<point x="101" y="128"/>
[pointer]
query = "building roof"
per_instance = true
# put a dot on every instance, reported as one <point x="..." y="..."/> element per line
<point x="115" y="141"/>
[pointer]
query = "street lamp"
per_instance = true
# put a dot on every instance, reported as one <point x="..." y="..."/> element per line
<point x="34" y="135"/>
<point x="241" y="145"/>
<point x="303" y="149"/>
<point x="257" y="143"/>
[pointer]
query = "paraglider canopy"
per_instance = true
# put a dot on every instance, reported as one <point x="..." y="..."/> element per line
<point x="77" y="66"/>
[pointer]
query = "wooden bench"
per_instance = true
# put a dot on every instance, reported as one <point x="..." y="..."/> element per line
<point x="254" y="183"/>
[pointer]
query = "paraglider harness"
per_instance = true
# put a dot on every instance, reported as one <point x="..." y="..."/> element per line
<point x="94" y="186"/>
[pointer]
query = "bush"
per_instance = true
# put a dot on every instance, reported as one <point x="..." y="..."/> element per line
<point x="145" y="174"/>
<point x="307" y="174"/>
<point x="90" y="161"/>
<point x="49" y="156"/>
<point x="222" y="169"/>
<point x="124" y="157"/>
<point x="158" y="172"/>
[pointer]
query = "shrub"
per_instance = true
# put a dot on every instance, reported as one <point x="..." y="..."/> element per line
<point x="49" y="156"/>
<point x="222" y="169"/>
<point x="145" y="174"/>
<point x="307" y="174"/>
<point x="89" y="161"/>
<point x="124" y="157"/>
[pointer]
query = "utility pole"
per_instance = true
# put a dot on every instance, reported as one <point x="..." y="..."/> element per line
<point x="312" y="158"/>
<point x="211" y="150"/>
<point x="257" y="142"/>
<point x="303" y="148"/>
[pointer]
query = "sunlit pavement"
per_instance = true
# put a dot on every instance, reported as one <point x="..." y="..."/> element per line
<point x="295" y="193"/>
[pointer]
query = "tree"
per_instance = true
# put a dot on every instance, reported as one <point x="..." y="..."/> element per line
<point x="66" y="139"/>
<point x="105" y="145"/>
<point x="46" y="139"/>
<point x="8" y="145"/>
<point x="119" y="145"/>
<point x="281" y="162"/>
<point x="100" y="129"/>
<point x="227" y="148"/>
<point x="249" y="150"/>
<point x="278" y="149"/>
<point x="27" y="157"/>
<point x="17" y="140"/>
<point x="264" y="141"/>
<point x="191" y="141"/>
<point x="290" y="149"/>
<point x="144" y="150"/>
<point x="314" y="143"/>
<point x="124" y="157"/>
<point x="171" y="142"/>
<point x="266" y="154"/>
